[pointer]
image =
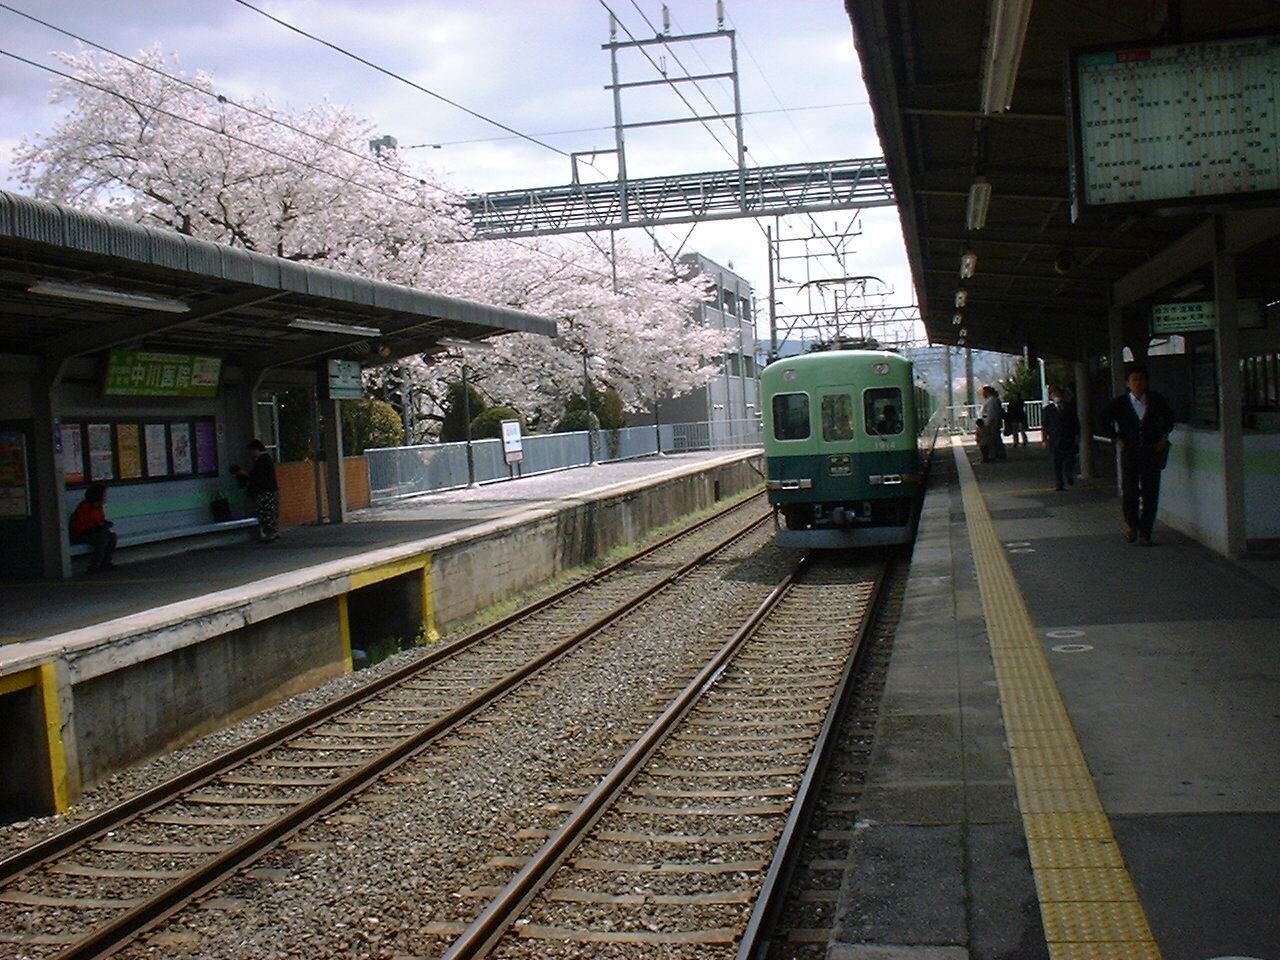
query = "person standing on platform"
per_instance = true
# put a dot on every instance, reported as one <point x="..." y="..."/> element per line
<point x="89" y="525"/>
<point x="993" y="421"/>
<point x="1015" y="417"/>
<point x="1061" y="431"/>
<point x="259" y="481"/>
<point x="1139" y="423"/>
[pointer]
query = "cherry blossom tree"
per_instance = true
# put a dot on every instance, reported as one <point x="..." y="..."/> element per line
<point x="147" y="143"/>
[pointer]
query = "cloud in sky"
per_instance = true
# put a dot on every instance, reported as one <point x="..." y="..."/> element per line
<point x="535" y="65"/>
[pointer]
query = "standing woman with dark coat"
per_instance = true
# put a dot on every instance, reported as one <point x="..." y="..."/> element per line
<point x="259" y="481"/>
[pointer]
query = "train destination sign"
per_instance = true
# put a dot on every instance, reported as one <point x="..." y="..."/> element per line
<point x="138" y="373"/>
<point x="1175" y="123"/>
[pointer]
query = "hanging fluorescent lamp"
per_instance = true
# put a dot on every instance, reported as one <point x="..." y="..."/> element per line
<point x="968" y="263"/>
<point x="1003" y="52"/>
<point x="327" y="326"/>
<point x="118" y="298"/>
<point x="975" y="213"/>
<point x="453" y="343"/>
<point x="962" y="297"/>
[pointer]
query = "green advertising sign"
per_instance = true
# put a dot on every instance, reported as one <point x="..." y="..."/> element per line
<point x="135" y="373"/>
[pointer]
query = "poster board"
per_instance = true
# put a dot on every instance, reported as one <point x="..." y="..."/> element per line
<point x="102" y="460"/>
<point x="512" y="442"/>
<point x="72" y="453"/>
<point x="180" y="453"/>
<point x="15" y="490"/>
<point x="157" y="445"/>
<point x="129" y="451"/>
<point x="138" y="450"/>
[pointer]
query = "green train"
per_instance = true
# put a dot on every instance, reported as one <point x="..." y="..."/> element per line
<point x="847" y="436"/>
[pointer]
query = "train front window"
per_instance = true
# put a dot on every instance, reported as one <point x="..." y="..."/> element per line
<point x="791" y="416"/>
<point x="882" y="408"/>
<point x="837" y="416"/>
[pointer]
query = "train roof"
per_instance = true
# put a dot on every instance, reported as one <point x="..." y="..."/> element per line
<point x="833" y="359"/>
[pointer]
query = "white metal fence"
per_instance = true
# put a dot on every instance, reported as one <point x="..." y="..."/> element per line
<point x="396" y="472"/>
<point x="961" y="417"/>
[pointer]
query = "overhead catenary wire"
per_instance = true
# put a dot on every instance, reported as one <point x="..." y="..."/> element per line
<point x="395" y="76"/>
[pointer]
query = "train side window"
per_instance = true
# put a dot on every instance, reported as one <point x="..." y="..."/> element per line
<point x="882" y="408"/>
<point x="837" y="416"/>
<point x="791" y="416"/>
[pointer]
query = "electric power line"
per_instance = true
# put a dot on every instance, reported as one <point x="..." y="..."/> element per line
<point x="395" y="76"/>
<point x="290" y="159"/>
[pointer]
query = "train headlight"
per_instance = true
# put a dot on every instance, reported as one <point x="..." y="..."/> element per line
<point x="788" y="374"/>
<point x="881" y="368"/>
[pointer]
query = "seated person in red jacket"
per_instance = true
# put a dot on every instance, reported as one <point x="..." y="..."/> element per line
<point x="89" y="524"/>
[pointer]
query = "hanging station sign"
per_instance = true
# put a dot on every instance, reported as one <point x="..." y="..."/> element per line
<point x="344" y="380"/>
<point x="1190" y="316"/>
<point x="137" y="373"/>
<point x="1174" y="124"/>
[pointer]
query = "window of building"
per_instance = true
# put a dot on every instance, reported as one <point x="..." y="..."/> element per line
<point x="791" y="416"/>
<point x="882" y="409"/>
<point x="837" y="416"/>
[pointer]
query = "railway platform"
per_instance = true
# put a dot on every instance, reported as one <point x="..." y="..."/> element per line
<point x="99" y="672"/>
<point x="1076" y="756"/>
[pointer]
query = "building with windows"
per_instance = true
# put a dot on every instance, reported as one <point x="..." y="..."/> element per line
<point x="731" y="400"/>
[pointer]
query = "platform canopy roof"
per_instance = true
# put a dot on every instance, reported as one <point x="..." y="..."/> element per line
<point x="75" y="283"/>
<point x="1041" y="280"/>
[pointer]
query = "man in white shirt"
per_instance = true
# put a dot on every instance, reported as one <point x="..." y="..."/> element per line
<point x="1139" y="423"/>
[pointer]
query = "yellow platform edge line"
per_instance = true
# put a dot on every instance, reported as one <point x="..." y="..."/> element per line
<point x="1077" y="839"/>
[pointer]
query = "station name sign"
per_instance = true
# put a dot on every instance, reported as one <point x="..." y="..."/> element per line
<point x="1176" y="123"/>
<point x="136" y="373"/>
<point x="344" y="380"/>
<point x="1189" y="317"/>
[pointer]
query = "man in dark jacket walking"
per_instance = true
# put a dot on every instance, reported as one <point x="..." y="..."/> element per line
<point x="1139" y="423"/>
<point x="1061" y="432"/>
<point x="259" y="481"/>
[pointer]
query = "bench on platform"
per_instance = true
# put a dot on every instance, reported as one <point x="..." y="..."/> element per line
<point x="139" y="538"/>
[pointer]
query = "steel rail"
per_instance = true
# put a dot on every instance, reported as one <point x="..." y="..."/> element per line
<point x="112" y="936"/>
<point x="30" y="858"/>
<point x="769" y="902"/>
<point x="493" y="922"/>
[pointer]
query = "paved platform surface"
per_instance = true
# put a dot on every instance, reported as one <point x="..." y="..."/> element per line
<point x="1164" y="665"/>
<point x="38" y="608"/>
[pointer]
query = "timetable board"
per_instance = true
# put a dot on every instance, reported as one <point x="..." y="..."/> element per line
<point x="1176" y="123"/>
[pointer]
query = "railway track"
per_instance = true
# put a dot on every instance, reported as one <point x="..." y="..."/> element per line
<point x="685" y="844"/>
<point x="91" y="889"/>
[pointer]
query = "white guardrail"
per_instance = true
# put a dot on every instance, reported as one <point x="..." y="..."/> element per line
<point x="960" y="418"/>
<point x="396" y="472"/>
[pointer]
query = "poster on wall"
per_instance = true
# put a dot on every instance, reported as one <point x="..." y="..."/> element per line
<point x="15" y="499"/>
<point x="206" y="447"/>
<point x="101" y="457"/>
<point x="129" y="451"/>
<point x="180" y="447"/>
<point x="157" y="450"/>
<point x="72" y="453"/>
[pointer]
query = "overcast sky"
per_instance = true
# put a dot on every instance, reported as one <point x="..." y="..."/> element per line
<point x="534" y="65"/>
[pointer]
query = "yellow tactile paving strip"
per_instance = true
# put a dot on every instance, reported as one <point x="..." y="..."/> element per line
<point x="1087" y="901"/>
